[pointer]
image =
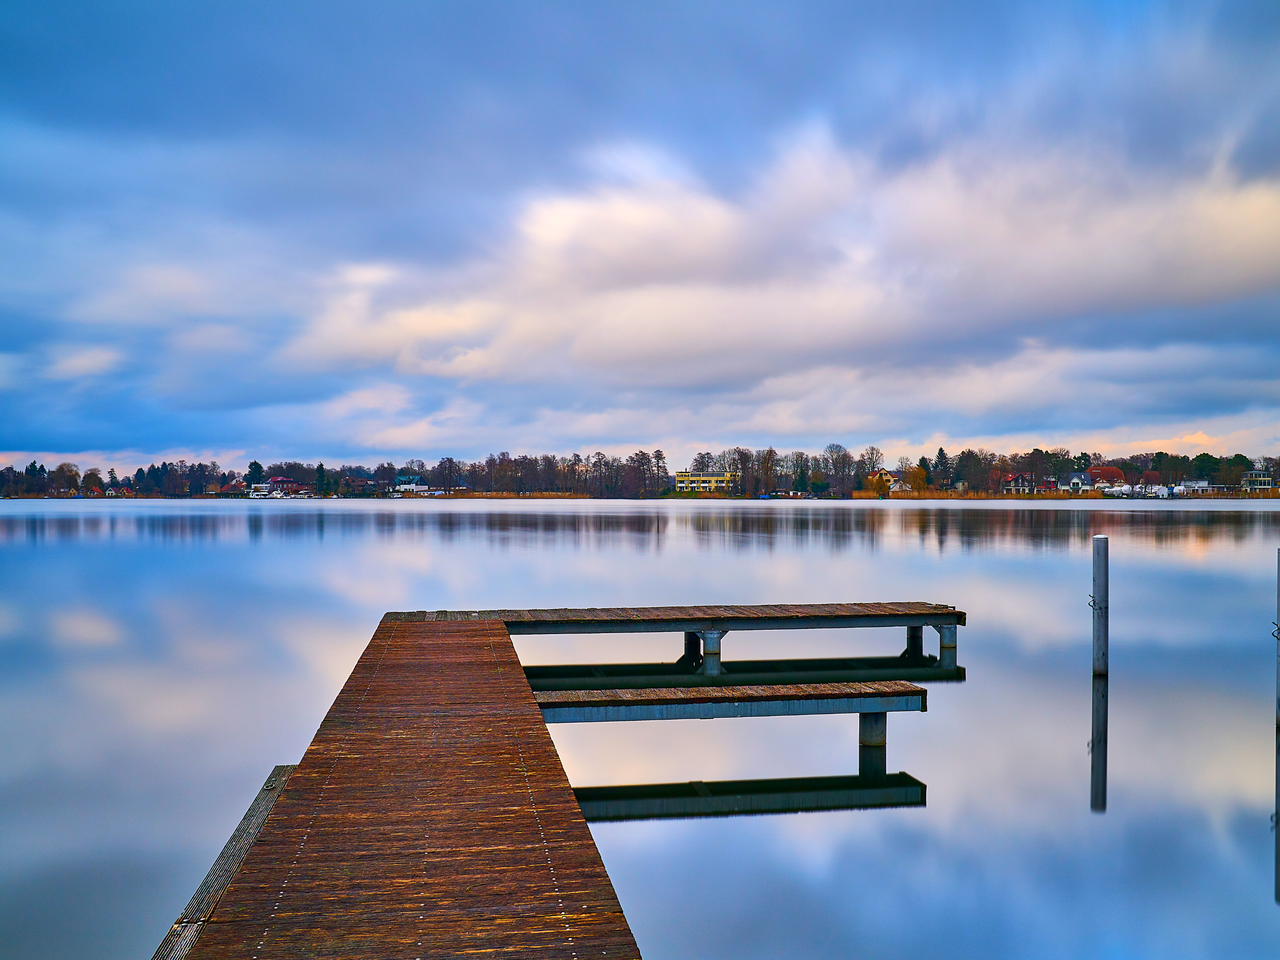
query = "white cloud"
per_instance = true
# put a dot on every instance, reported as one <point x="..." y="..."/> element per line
<point x="827" y="260"/>
<point x="384" y="400"/>
<point x="76" y="363"/>
<point x="150" y="291"/>
<point x="85" y="629"/>
<point x="454" y="420"/>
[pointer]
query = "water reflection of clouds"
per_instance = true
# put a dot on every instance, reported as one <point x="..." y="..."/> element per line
<point x="160" y="657"/>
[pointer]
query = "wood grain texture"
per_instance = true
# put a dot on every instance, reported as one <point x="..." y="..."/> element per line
<point x="875" y="689"/>
<point x="430" y="817"/>
<point x="775" y="616"/>
<point x="186" y="929"/>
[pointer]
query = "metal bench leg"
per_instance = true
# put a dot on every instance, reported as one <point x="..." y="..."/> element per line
<point x="946" y="645"/>
<point x="873" y="731"/>
<point x="915" y="643"/>
<point x="692" y="658"/>
<point x="711" y="652"/>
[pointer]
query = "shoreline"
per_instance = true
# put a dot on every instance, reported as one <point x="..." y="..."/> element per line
<point x="32" y="506"/>
<point x="856" y="497"/>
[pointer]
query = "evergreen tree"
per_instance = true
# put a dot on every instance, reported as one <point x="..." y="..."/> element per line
<point x="942" y="467"/>
<point x="928" y="470"/>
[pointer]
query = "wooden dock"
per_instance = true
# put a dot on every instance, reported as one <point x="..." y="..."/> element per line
<point x="431" y="816"/>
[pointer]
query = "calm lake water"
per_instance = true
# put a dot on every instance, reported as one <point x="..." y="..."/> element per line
<point x="158" y="658"/>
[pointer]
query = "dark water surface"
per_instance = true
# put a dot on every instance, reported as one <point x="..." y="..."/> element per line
<point x="156" y="659"/>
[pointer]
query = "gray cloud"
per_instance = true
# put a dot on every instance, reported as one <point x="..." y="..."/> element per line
<point x="461" y="226"/>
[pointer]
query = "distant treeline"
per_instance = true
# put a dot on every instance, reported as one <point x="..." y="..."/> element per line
<point x="169" y="479"/>
<point x="835" y="472"/>
<point x="643" y="474"/>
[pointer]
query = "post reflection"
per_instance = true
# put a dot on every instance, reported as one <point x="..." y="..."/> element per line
<point x="1098" y="748"/>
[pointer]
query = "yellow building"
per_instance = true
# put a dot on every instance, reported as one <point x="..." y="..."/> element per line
<point x="687" y="482"/>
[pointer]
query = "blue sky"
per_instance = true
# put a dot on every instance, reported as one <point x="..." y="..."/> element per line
<point x="356" y="231"/>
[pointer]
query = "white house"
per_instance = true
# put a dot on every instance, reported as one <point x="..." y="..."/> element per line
<point x="1077" y="482"/>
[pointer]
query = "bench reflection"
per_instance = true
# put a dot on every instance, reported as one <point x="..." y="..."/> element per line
<point x="728" y="798"/>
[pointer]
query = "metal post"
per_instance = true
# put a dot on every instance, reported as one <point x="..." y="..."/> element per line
<point x="946" y="644"/>
<point x="1101" y="603"/>
<point x="915" y="642"/>
<point x="1098" y="748"/>
<point x="711" y="652"/>
<point x="1275" y="817"/>
<point x="692" y="658"/>
<point x="873" y="730"/>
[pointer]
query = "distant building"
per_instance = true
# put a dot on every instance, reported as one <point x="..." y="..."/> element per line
<point x="1255" y="480"/>
<point x="1078" y="482"/>
<point x="411" y="484"/>
<point x="689" y="482"/>
<point x="1200" y="488"/>
<point x="357" y="485"/>
<point x="1023" y="484"/>
<point x="286" y="487"/>
<point x="1112" y="475"/>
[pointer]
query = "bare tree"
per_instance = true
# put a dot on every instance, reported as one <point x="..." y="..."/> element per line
<point x="65" y="477"/>
<point x="703" y="463"/>
<point x="660" y="469"/>
<point x="766" y="464"/>
<point x="841" y="466"/>
<point x="870" y="460"/>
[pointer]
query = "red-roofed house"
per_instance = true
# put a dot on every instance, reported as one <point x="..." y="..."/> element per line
<point x="1018" y="483"/>
<point x="1109" y="474"/>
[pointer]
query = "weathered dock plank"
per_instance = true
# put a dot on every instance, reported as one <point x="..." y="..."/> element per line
<point x="186" y="928"/>
<point x="429" y="817"/>
<point x="774" y="616"/>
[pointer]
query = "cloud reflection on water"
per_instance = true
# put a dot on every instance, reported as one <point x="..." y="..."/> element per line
<point x="157" y="658"/>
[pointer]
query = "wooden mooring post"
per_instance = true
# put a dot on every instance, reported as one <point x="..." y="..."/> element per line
<point x="1100" y="601"/>
<point x="1098" y="748"/>
<point x="1275" y="817"/>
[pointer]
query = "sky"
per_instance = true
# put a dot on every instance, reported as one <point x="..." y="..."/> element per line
<point x="355" y="232"/>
